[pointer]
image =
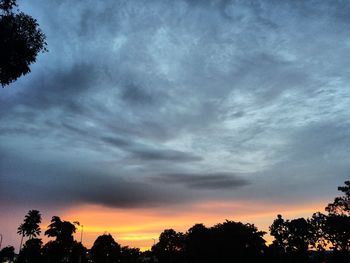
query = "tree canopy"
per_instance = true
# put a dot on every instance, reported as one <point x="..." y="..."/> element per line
<point x="21" y="40"/>
<point x="105" y="250"/>
<point x="31" y="225"/>
<point x="341" y="204"/>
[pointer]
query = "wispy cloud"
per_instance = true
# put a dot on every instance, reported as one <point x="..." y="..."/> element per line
<point x="190" y="93"/>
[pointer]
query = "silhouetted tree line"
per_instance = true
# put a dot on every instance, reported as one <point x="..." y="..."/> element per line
<point x="321" y="238"/>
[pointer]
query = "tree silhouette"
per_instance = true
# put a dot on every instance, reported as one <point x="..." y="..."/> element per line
<point x="53" y="252"/>
<point x="292" y="239"/>
<point x="237" y="242"/>
<point x="278" y="230"/>
<point x="299" y="238"/>
<point x="170" y="247"/>
<point x="341" y="205"/>
<point x="60" y="249"/>
<point x="30" y="226"/>
<point x="21" y="40"/>
<point x="130" y="255"/>
<point x="318" y="225"/>
<point x="198" y="244"/>
<point x="31" y="252"/>
<point x="105" y="250"/>
<point x="337" y="231"/>
<point x="62" y="230"/>
<point x="336" y="228"/>
<point x="7" y="254"/>
<point x="77" y="253"/>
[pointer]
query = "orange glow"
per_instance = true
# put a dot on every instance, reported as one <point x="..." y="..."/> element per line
<point x="140" y="227"/>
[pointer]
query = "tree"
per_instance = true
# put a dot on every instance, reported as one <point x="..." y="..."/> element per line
<point x="60" y="249"/>
<point x="31" y="252"/>
<point x="7" y="254"/>
<point x="30" y="226"/>
<point x="341" y="205"/>
<point x="77" y="253"/>
<point x="337" y="231"/>
<point x="299" y="238"/>
<point x="278" y="230"/>
<point x="198" y="244"/>
<point x="105" y="250"/>
<point x="53" y="252"/>
<point x="292" y="238"/>
<point x="318" y="223"/>
<point x="62" y="230"/>
<point x="170" y="247"/>
<point x="21" y="40"/>
<point x="130" y="255"/>
<point x="337" y="226"/>
<point x="237" y="242"/>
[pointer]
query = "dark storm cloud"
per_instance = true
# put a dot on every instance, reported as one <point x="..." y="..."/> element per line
<point x="164" y="155"/>
<point x="61" y="184"/>
<point x="203" y="181"/>
<point x="134" y="89"/>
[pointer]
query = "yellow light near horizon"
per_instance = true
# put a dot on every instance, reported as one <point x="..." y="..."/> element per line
<point x="141" y="227"/>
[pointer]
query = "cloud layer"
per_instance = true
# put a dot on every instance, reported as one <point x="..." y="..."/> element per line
<point x="249" y="97"/>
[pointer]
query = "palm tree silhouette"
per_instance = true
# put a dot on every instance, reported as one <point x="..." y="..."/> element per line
<point x="30" y="226"/>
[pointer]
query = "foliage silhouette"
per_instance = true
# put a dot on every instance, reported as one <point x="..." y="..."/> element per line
<point x="170" y="247"/>
<point x="63" y="248"/>
<point x="105" y="250"/>
<point x="341" y="205"/>
<point x="21" y="40"/>
<point x="278" y="230"/>
<point x="7" y="254"/>
<point x="31" y="252"/>
<point x="337" y="231"/>
<point x="226" y="242"/>
<point x="30" y="226"/>
<point x="53" y="252"/>
<point x="62" y="230"/>
<point x="292" y="238"/>
<point x="235" y="241"/>
<point x="130" y="255"/>
<point x="198" y="244"/>
<point x="318" y="223"/>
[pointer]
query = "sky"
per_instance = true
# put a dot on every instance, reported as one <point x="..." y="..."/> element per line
<point x="147" y="115"/>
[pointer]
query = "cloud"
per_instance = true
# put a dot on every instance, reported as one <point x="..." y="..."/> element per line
<point x="213" y="181"/>
<point x="61" y="184"/>
<point x="141" y="152"/>
<point x="164" y="155"/>
<point x="174" y="89"/>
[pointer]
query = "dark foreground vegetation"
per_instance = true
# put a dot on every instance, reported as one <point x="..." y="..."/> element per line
<point x="321" y="238"/>
<point x="21" y="40"/>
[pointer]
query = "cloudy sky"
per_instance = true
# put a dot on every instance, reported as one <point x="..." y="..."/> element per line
<point x="152" y="114"/>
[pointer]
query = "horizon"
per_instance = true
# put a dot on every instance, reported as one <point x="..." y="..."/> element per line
<point x="142" y="236"/>
<point x="148" y="115"/>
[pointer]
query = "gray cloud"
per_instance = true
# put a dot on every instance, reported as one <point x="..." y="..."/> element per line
<point x="215" y="181"/>
<point x="159" y="88"/>
<point x="164" y="155"/>
<point x="62" y="184"/>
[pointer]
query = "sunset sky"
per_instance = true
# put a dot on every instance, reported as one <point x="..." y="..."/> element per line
<point x="147" y="115"/>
